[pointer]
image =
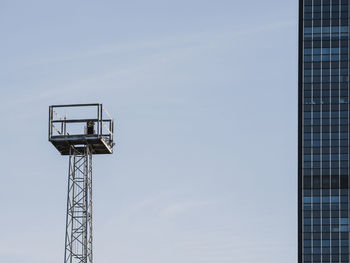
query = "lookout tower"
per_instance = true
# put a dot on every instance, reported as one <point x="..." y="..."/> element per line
<point x="80" y="131"/>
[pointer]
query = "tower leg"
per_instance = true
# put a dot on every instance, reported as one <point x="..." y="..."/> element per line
<point x="78" y="240"/>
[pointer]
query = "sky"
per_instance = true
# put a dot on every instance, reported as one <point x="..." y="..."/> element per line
<point x="204" y="98"/>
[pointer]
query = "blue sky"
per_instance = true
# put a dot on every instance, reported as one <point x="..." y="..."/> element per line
<point x="204" y="95"/>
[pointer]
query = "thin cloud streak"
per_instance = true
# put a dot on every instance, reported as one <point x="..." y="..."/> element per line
<point x="167" y="49"/>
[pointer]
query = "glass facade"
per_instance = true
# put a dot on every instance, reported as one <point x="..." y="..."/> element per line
<point x="324" y="131"/>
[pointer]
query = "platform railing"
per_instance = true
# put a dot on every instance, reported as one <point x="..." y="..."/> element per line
<point x="60" y="126"/>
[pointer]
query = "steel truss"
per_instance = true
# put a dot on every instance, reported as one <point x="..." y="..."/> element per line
<point x="78" y="240"/>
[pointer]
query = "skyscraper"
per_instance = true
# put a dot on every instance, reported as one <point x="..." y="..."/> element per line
<point x="323" y="147"/>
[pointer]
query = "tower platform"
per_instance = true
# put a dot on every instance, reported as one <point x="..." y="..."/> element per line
<point x="68" y="133"/>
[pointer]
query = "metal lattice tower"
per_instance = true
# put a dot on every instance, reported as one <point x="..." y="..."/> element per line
<point x="78" y="244"/>
<point x="89" y="136"/>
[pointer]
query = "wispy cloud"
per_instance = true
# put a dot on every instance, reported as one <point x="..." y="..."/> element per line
<point x="156" y="53"/>
<point x="160" y="44"/>
<point x="182" y="207"/>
